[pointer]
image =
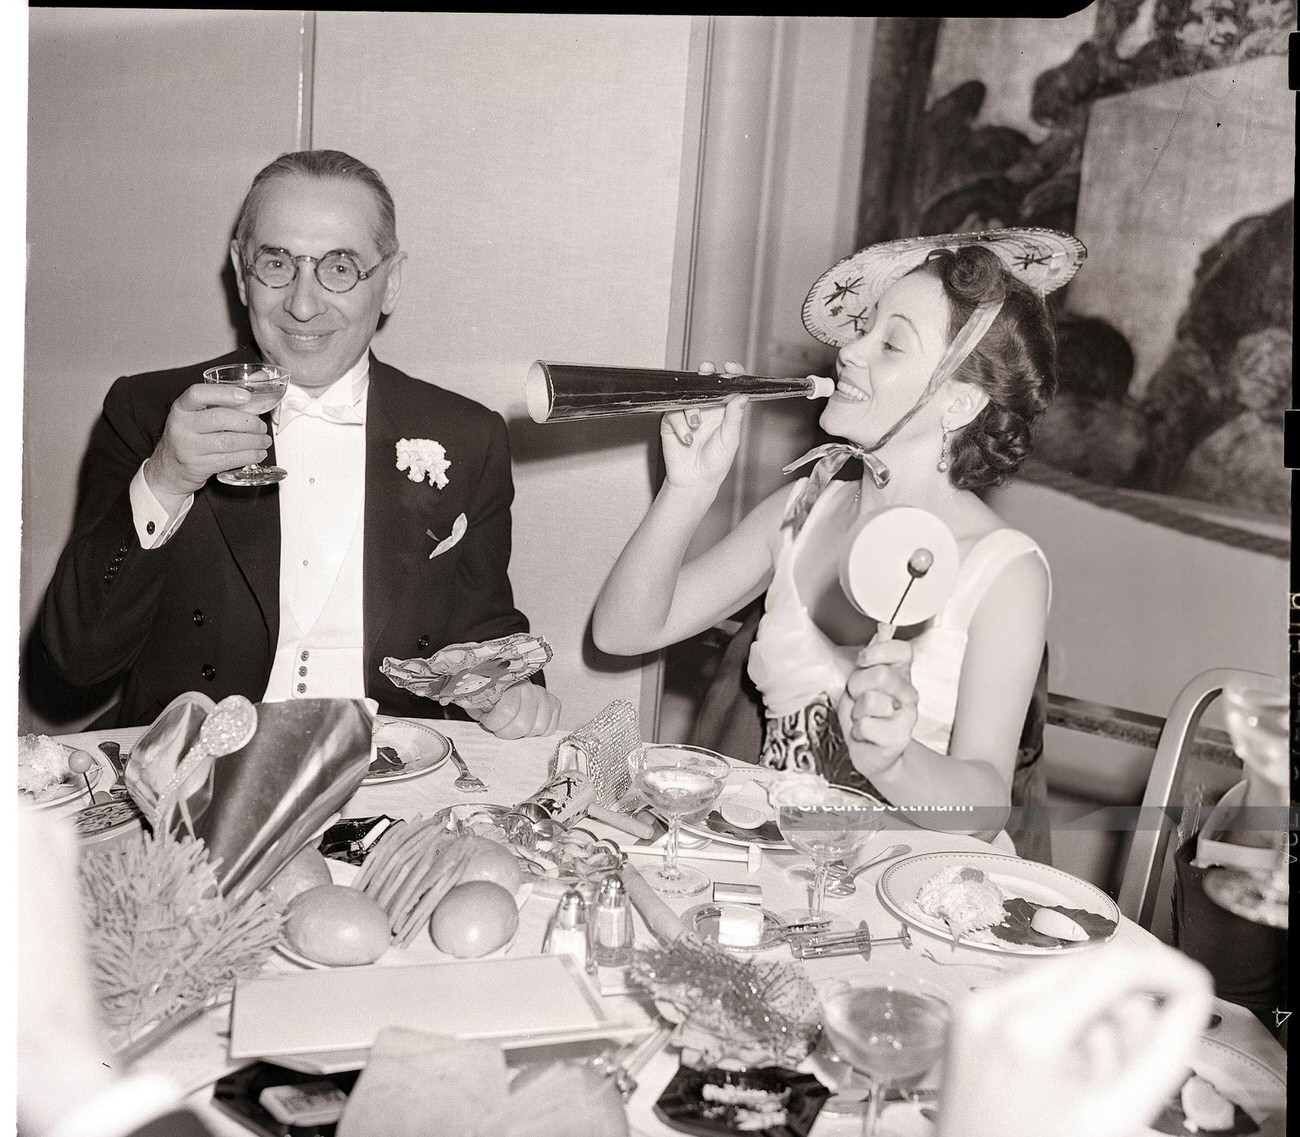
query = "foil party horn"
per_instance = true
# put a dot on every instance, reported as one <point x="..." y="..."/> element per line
<point x="559" y="392"/>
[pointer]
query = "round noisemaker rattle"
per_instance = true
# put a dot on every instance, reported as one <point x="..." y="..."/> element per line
<point x="899" y="567"/>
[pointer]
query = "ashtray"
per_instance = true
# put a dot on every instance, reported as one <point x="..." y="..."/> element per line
<point x="705" y="920"/>
<point x="714" y="1101"/>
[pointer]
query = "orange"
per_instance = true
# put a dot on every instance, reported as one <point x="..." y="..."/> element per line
<point x="474" y="919"/>
<point x="334" y="924"/>
<point x="305" y="870"/>
<point x="492" y="861"/>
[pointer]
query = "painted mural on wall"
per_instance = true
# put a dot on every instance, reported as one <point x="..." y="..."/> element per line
<point x="1081" y="123"/>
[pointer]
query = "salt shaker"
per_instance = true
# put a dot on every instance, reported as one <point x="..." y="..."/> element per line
<point x="610" y="926"/>
<point x="567" y="932"/>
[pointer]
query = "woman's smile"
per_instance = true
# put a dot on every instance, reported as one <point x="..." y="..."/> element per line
<point x="851" y="391"/>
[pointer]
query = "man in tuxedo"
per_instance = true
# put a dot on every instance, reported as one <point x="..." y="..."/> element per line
<point x="174" y="581"/>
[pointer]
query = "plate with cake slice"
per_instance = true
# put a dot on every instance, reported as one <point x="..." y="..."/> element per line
<point x="998" y="903"/>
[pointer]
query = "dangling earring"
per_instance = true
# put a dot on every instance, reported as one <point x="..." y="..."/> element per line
<point x="943" y="453"/>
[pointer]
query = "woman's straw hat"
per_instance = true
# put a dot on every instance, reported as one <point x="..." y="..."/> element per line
<point x="841" y="300"/>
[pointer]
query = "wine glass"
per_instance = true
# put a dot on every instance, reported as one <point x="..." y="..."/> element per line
<point x="679" y="782"/>
<point x="826" y="823"/>
<point x="889" y="1026"/>
<point x="1258" y="720"/>
<point x="266" y="383"/>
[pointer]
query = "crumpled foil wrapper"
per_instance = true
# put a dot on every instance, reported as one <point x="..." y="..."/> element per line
<point x="256" y="808"/>
<point x="474" y="675"/>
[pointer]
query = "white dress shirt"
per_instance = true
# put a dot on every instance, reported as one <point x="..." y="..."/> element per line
<point x="320" y="442"/>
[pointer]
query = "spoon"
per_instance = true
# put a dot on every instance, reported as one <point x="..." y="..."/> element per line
<point x="229" y="727"/>
<point x="844" y="886"/>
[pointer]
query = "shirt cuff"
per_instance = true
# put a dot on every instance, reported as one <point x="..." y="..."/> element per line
<point x="152" y="525"/>
<point x="120" y="1109"/>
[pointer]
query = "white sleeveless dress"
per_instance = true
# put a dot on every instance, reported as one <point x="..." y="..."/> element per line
<point x="796" y="666"/>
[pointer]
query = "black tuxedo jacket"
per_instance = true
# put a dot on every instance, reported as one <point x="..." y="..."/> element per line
<point x="202" y="612"/>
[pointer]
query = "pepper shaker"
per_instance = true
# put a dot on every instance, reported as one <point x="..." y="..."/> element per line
<point x="567" y="932"/>
<point x="610" y="925"/>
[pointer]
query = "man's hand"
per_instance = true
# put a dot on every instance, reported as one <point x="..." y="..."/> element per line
<point x="878" y="708"/>
<point x="206" y="433"/>
<point x="523" y="711"/>
<point x="1074" y="1048"/>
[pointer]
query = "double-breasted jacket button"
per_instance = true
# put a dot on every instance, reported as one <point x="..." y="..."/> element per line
<point x="422" y="643"/>
<point x="209" y="672"/>
<point x="198" y="617"/>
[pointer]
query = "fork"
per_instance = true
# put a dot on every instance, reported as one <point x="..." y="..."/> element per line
<point x="113" y="752"/>
<point x="844" y="886"/>
<point x="467" y="783"/>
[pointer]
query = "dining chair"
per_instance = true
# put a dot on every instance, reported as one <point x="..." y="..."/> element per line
<point x="1144" y="866"/>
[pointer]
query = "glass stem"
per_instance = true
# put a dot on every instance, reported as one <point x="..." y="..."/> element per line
<point x="820" y="864"/>
<point x="871" y="1115"/>
<point x="670" y="870"/>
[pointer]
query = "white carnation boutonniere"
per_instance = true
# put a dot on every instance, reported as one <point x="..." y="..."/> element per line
<point x="421" y="458"/>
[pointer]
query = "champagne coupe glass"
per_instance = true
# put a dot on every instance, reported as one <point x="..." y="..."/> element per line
<point x="889" y="1026"/>
<point x="1258" y="721"/>
<point x="266" y="383"/>
<point x="826" y="823"/>
<point x="680" y="782"/>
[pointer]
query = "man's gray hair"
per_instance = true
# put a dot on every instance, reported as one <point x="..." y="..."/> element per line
<point x="321" y="164"/>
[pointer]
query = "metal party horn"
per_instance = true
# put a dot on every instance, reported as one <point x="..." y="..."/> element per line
<point x="557" y="392"/>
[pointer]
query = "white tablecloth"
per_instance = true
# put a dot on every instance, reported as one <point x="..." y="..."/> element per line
<point x="196" y="1056"/>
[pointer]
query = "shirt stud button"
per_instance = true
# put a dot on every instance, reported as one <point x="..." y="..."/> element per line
<point x="209" y="672"/>
<point x="302" y="687"/>
<point x="304" y="655"/>
<point x="302" y="671"/>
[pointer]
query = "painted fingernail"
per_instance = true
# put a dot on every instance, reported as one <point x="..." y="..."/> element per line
<point x="694" y="422"/>
<point x="688" y="439"/>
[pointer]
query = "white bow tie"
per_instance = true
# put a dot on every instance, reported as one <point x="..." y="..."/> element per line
<point x="297" y="402"/>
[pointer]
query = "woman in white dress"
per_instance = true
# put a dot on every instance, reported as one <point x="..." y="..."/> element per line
<point x="946" y="360"/>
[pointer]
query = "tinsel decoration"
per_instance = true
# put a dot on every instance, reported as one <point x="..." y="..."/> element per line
<point x="759" y="1013"/>
<point x="162" y="940"/>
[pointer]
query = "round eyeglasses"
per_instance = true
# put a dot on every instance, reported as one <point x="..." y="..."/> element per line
<point x="336" y="271"/>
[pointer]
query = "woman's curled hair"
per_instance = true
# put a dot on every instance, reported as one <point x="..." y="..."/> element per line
<point x="1014" y="364"/>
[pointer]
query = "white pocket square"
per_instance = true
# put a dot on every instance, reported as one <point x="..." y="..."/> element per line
<point x="457" y="532"/>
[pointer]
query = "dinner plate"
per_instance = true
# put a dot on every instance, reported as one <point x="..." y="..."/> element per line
<point x="421" y="748"/>
<point x="1039" y="883"/>
<point x="71" y="785"/>
<point x="1240" y="1078"/>
<point x="767" y="836"/>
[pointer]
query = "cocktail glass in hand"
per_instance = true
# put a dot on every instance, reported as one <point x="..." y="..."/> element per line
<point x="826" y="823"/>
<point x="1257" y="714"/>
<point x="679" y="782"/>
<point x="266" y="383"/>
<point x="889" y="1026"/>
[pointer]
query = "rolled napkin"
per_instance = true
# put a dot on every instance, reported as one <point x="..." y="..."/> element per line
<point x="663" y="922"/>
<point x="471" y="675"/>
